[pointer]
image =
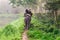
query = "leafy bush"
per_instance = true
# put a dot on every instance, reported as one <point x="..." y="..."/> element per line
<point x="58" y="38"/>
<point x="42" y="31"/>
<point x="39" y="30"/>
<point x="12" y="31"/>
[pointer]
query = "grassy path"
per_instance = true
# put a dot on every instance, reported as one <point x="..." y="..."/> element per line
<point x="24" y="35"/>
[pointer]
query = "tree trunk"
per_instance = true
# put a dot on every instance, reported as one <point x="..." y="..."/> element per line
<point x="38" y="9"/>
<point x="55" y="17"/>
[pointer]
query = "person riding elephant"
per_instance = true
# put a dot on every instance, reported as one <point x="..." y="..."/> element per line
<point x="27" y="19"/>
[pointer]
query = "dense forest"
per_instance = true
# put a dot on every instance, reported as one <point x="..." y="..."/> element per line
<point x="45" y="22"/>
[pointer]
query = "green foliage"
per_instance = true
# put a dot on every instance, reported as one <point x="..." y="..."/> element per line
<point x="12" y="31"/>
<point x="39" y="30"/>
<point x="23" y="2"/>
<point x="36" y="34"/>
<point x="9" y="29"/>
<point x="58" y="38"/>
<point x="52" y="5"/>
<point x="42" y="30"/>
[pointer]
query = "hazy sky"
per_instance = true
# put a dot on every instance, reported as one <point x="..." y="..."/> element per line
<point x="4" y="6"/>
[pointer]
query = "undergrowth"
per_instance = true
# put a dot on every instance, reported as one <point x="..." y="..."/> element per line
<point x="12" y="31"/>
<point x="38" y="30"/>
<point x="43" y="30"/>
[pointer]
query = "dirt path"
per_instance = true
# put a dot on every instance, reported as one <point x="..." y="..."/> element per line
<point x="24" y="35"/>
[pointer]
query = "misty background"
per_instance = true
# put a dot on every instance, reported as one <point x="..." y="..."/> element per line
<point x="9" y="13"/>
<point x="5" y="7"/>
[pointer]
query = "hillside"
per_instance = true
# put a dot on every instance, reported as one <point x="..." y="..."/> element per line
<point x="37" y="31"/>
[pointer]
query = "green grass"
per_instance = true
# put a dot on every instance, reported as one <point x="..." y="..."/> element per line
<point x="38" y="30"/>
<point x="12" y="31"/>
<point x="43" y="31"/>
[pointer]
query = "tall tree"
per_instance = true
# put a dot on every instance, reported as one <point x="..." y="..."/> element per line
<point x="54" y="6"/>
<point x="34" y="4"/>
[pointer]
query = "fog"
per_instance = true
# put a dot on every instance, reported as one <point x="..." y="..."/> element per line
<point x="5" y="7"/>
<point x="8" y="14"/>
